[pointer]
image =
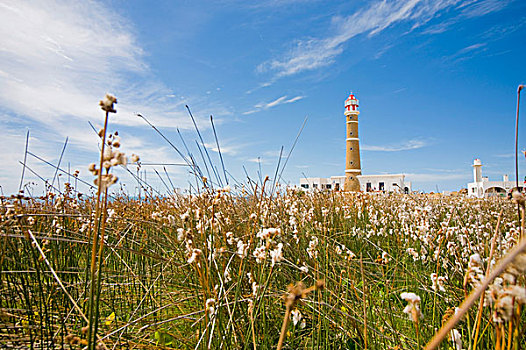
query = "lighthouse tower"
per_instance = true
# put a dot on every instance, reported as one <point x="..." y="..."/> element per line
<point x="352" y="159"/>
<point x="477" y="173"/>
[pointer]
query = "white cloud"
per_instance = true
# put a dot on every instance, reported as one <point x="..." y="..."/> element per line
<point x="481" y="8"/>
<point x="405" y="146"/>
<point x="467" y="52"/>
<point x="58" y="58"/>
<point x="313" y="53"/>
<point x="227" y="147"/>
<point x="269" y="157"/>
<point x="279" y="101"/>
<point x="506" y="155"/>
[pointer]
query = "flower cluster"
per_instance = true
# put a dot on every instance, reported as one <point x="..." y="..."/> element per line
<point x="413" y="306"/>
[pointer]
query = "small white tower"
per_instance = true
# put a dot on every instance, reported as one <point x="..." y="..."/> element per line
<point x="477" y="171"/>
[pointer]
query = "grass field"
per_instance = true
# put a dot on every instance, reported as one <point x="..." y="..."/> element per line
<point x="242" y="267"/>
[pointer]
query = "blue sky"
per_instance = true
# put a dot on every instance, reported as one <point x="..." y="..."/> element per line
<point x="436" y="82"/>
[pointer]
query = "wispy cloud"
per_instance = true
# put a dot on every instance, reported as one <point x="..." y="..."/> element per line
<point x="404" y="146"/>
<point x="506" y="155"/>
<point x="313" y="53"/>
<point x="468" y="9"/>
<point x="227" y="147"/>
<point x="481" y="8"/>
<point x="467" y="52"/>
<point x="279" y="101"/>
<point x="470" y="48"/>
<point x="267" y="157"/>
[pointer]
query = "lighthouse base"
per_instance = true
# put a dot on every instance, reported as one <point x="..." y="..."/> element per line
<point x="351" y="184"/>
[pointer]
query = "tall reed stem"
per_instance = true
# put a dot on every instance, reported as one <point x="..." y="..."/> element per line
<point x="92" y="331"/>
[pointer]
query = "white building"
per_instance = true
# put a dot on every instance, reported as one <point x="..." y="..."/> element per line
<point x="482" y="187"/>
<point x="368" y="183"/>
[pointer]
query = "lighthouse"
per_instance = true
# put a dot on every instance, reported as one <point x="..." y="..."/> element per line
<point x="353" y="180"/>
<point x="477" y="173"/>
<point x="352" y="153"/>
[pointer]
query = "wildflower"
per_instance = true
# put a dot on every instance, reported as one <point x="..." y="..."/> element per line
<point x="210" y="306"/>
<point x="385" y="258"/>
<point x="338" y="250"/>
<point x="194" y="256"/>
<point x="277" y="254"/>
<point x="413" y="253"/>
<point x="134" y="158"/>
<point x="475" y="274"/>
<point x="518" y="198"/>
<point x="296" y="238"/>
<point x="434" y="277"/>
<point x="84" y="227"/>
<point x="413" y="306"/>
<point x="111" y="213"/>
<point x="456" y="339"/>
<point x="503" y="308"/>
<point x="230" y="238"/>
<point x="441" y="281"/>
<point x="93" y="169"/>
<point x="304" y="268"/>
<point x="180" y="234"/>
<point x="350" y="254"/>
<point x="311" y="250"/>
<point x="171" y="220"/>
<point x="118" y="158"/>
<point x="268" y="233"/>
<point x="116" y="142"/>
<point x="296" y="317"/>
<point x="107" y="181"/>
<point x="242" y="249"/>
<point x="185" y="217"/>
<point x="260" y="253"/>
<point x="30" y="220"/>
<point x="107" y="103"/>
<point x="226" y="275"/>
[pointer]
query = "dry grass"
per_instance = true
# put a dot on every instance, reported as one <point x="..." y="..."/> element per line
<point x="209" y="270"/>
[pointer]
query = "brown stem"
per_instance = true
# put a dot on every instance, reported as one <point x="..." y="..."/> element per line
<point x="95" y="236"/>
<point x="284" y="327"/>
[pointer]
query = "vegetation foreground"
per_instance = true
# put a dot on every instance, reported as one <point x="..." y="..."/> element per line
<point x="258" y="267"/>
<point x="211" y="269"/>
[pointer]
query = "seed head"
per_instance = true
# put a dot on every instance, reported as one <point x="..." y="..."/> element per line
<point x="107" y="103"/>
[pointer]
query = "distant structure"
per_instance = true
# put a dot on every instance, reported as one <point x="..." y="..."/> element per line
<point x="481" y="186"/>
<point x="352" y="150"/>
<point x="354" y="181"/>
<point x="367" y="183"/>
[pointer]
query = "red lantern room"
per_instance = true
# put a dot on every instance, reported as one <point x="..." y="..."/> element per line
<point x="351" y="104"/>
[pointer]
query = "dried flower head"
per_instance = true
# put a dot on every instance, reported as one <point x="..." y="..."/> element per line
<point x="107" y="103"/>
<point x="413" y="306"/>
